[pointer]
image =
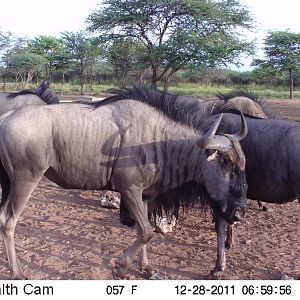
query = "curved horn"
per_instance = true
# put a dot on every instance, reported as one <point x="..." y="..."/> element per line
<point x="212" y="131"/>
<point x="209" y="140"/>
<point x="244" y="130"/>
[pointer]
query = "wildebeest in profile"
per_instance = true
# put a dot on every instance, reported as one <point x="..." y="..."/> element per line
<point x="189" y="110"/>
<point x="129" y="147"/>
<point x="271" y="149"/>
<point x="41" y="96"/>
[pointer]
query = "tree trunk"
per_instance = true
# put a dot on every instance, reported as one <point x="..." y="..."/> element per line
<point x="81" y="76"/>
<point x="291" y="85"/>
<point x="47" y="69"/>
<point x="166" y="83"/>
<point x="168" y="76"/>
<point x="154" y="77"/>
<point x="4" y="83"/>
<point x="141" y="77"/>
<point x="37" y="77"/>
<point x="28" y="79"/>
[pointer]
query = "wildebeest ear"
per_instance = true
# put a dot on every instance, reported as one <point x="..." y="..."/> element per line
<point x="212" y="156"/>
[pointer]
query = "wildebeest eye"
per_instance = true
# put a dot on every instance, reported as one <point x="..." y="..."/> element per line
<point x="209" y="152"/>
<point x="212" y="156"/>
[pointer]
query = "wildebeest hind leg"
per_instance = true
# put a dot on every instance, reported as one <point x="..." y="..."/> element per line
<point x="11" y="210"/>
<point x="136" y="208"/>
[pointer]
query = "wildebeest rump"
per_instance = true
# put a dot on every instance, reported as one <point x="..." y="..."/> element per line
<point x="247" y="102"/>
<point x="41" y="96"/>
<point x="240" y="100"/>
<point x="128" y="147"/>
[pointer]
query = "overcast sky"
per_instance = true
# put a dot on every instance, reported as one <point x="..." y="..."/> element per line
<point x="35" y="17"/>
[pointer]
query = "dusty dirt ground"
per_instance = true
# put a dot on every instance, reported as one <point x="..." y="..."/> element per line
<point x="66" y="234"/>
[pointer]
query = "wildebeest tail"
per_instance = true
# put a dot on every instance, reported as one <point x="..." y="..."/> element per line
<point x="5" y="184"/>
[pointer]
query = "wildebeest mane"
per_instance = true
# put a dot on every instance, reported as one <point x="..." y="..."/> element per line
<point x="190" y="113"/>
<point x="185" y="197"/>
<point x="172" y="203"/>
<point x="43" y="91"/>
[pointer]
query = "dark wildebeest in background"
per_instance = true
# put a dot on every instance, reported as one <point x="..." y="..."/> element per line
<point x="248" y="103"/>
<point x="129" y="147"/>
<point x="41" y="96"/>
<point x="271" y="149"/>
<point x="241" y="100"/>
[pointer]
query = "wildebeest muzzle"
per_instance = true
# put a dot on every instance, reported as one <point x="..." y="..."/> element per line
<point x="237" y="214"/>
<point x="232" y="213"/>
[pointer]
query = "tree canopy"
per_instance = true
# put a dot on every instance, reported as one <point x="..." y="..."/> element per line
<point x="52" y="49"/>
<point x="282" y="54"/>
<point x="5" y="39"/>
<point x="81" y="48"/>
<point x="26" y="64"/>
<point x="126" y="56"/>
<point x="176" y="32"/>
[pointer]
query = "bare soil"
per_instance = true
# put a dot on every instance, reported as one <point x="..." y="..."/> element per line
<point x="66" y="234"/>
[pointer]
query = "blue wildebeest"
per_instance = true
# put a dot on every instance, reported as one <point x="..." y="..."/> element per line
<point x="189" y="110"/>
<point x="272" y="154"/>
<point x="238" y="100"/>
<point x="129" y="147"/>
<point x="41" y="96"/>
<point x="248" y="103"/>
<point x="271" y="149"/>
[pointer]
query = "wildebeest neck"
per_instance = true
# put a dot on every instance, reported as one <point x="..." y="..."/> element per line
<point x="172" y="158"/>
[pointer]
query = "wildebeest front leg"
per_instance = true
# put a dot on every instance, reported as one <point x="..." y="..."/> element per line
<point x="136" y="208"/>
<point x="145" y="266"/>
<point x="221" y="260"/>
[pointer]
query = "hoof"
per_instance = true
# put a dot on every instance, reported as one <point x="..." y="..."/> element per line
<point x="19" y="277"/>
<point x="216" y="274"/>
<point x="156" y="276"/>
<point x="228" y="245"/>
<point x="117" y="273"/>
<point x="265" y="208"/>
<point x="152" y="274"/>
